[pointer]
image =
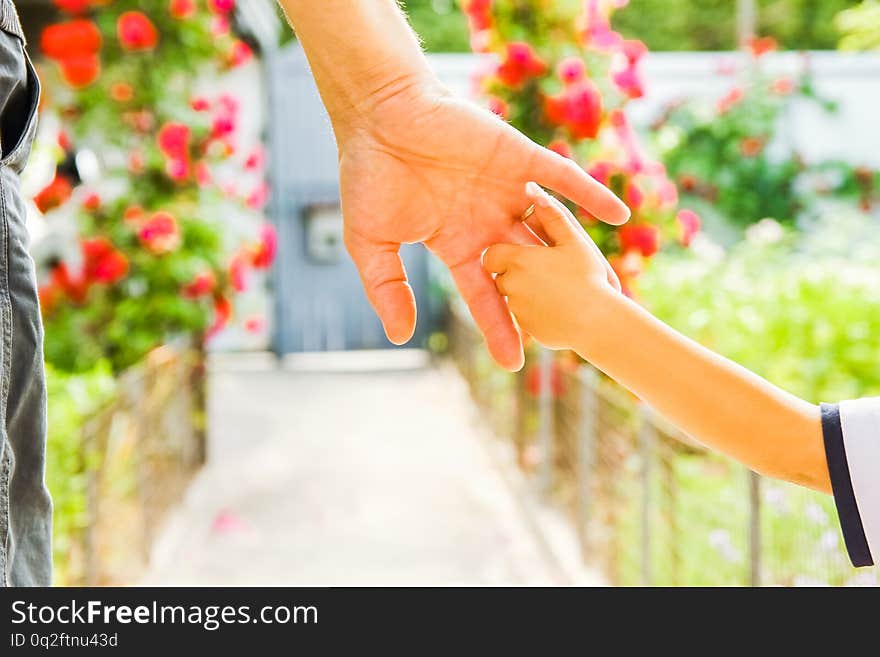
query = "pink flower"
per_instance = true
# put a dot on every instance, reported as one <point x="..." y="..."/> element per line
<point x="160" y="233"/>
<point x="597" y="28"/>
<point x="258" y="197"/>
<point x="667" y="194"/>
<point x="203" y="174"/>
<point x="255" y="160"/>
<point x="730" y="99"/>
<point x="689" y="225"/>
<point x="630" y="82"/>
<point x="136" y="32"/>
<point x="221" y="6"/>
<point x="571" y="70"/>
<point x="255" y="324"/>
<point x="177" y="170"/>
<point x="602" y="172"/>
<point x="264" y="254"/>
<point x="173" y="140"/>
<point x="783" y="86"/>
<point x="200" y="103"/>
<point x="200" y="286"/>
<point x="220" y="26"/>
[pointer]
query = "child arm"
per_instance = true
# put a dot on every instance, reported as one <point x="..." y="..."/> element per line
<point x="562" y="295"/>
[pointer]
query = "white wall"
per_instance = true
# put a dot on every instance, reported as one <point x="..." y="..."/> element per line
<point x="852" y="80"/>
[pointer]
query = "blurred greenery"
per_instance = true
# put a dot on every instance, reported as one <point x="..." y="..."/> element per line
<point x="860" y="26"/>
<point x="800" y="309"/>
<point x="72" y="399"/>
<point x="666" y="24"/>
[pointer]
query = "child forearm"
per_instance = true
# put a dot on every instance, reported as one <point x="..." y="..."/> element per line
<point x="714" y="400"/>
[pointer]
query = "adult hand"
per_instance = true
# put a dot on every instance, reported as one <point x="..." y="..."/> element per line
<point x="422" y="165"/>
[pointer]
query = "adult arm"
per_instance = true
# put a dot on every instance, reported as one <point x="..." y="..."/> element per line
<point x="418" y="164"/>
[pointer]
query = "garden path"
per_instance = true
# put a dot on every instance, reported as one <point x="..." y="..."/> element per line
<point x="320" y="477"/>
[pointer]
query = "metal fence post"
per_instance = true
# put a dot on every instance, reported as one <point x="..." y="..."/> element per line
<point x="586" y="446"/>
<point x="545" y="418"/>
<point x="647" y="441"/>
<point x="754" y="529"/>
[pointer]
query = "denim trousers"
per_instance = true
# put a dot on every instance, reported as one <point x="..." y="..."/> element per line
<point x="25" y="505"/>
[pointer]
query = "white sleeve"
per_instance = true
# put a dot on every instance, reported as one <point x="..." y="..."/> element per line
<point x="851" y="431"/>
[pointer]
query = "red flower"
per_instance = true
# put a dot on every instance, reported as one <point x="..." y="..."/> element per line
<point x="182" y="8"/>
<point x="200" y="103"/>
<point x="760" y="46"/>
<point x="239" y="54"/>
<point x="102" y="262"/>
<point x="520" y="64"/>
<point x="634" y="196"/>
<point x="200" y="286"/>
<point x="121" y="92"/>
<point x="160" y="233"/>
<point x="264" y="254"/>
<point x="222" y="315"/>
<point x="49" y="296"/>
<point x="92" y="201"/>
<point x="238" y="272"/>
<point x="70" y="39"/>
<point x="136" y="32"/>
<point x="643" y="238"/>
<point x="72" y="6"/>
<point x="783" y="86"/>
<point x="751" y="146"/>
<point x="133" y="214"/>
<point x="54" y="194"/>
<point x="688" y="225"/>
<point x="80" y="71"/>
<point x="74" y="287"/>
<point x="479" y="13"/>
<point x="729" y="100"/>
<point x="221" y="6"/>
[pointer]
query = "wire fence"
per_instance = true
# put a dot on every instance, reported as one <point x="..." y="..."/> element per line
<point x="650" y="505"/>
<point x="140" y="452"/>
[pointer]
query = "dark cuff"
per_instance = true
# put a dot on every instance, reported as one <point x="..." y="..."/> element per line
<point x="841" y="485"/>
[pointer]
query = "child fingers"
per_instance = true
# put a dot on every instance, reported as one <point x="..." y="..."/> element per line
<point x="550" y="217"/>
<point x="498" y="258"/>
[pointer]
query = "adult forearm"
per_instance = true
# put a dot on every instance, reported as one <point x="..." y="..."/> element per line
<point x="360" y="52"/>
<point x="714" y="400"/>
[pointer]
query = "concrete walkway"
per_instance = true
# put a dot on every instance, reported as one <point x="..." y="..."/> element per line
<point x="372" y="478"/>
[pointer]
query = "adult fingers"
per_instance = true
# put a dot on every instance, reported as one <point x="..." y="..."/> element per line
<point x="490" y="312"/>
<point x="385" y="282"/>
<point x="569" y="179"/>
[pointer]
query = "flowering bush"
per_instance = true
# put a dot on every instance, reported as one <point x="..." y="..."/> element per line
<point x="562" y="76"/>
<point x="152" y="262"/>
<point x="732" y="157"/>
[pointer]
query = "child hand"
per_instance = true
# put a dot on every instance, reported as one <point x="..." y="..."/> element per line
<point x="552" y="290"/>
